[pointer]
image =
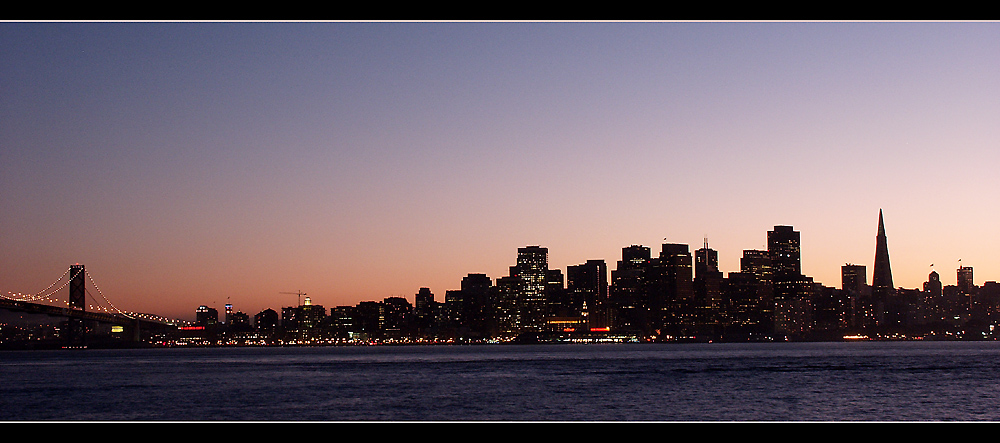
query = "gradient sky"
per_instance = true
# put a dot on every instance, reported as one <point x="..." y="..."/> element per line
<point x="203" y="163"/>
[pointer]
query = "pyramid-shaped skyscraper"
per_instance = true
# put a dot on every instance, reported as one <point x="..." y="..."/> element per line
<point x="882" y="274"/>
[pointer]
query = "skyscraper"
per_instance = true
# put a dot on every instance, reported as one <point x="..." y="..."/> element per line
<point x="793" y="291"/>
<point x="531" y="304"/>
<point x="882" y="274"/>
<point x="587" y="289"/>
<point x="882" y="290"/>
<point x="629" y="308"/>
<point x="965" y="283"/>
<point x="853" y="278"/>
<point x="783" y="245"/>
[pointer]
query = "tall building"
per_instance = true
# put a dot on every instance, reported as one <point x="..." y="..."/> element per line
<point x="882" y="273"/>
<point x="783" y="245"/>
<point x="708" y="303"/>
<point x="671" y="290"/>
<point x="533" y="269"/>
<point x="853" y="278"/>
<point x="757" y="263"/>
<point x="705" y="260"/>
<point x="934" y="304"/>
<point x="882" y="288"/>
<point x="965" y="283"/>
<point x="854" y="283"/>
<point x="793" y="291"/>
<point x="587" y="290"/>
<point x="425" y="311"/>
<point x="476" y="304"/>
<point x="629" y="307"/>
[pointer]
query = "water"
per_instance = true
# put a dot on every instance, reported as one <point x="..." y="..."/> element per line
<point x="862" y="381"/>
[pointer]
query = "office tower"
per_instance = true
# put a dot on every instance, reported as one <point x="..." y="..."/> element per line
<point x="707" y="291"/>
<point x="587" y="289"/>
<point x="342" y="324"/>
<point x="757" y="263"/>
<point x="749" y="307"/>
<point x="555" y="293"/>
<point x="505" y="306"/>
<point x="783" y="246"/>
<point x="206" y="316"/>
<point x="882" y="288"/>
<point x="792" y="290"/>
<point x="424" y="312"/>
<point x="671" y="290"/>
<point x="367" y="319"/>
<point x="934" y="302"/>
<point x="476" y="307"/>
<point x="629" y="308"/>
<point x="933" y="284"/>
<point x="423" y="301"/>
<point x="793" y="305"/>
<point x="266" y="322"/>
<point x="303" y="320"/>
<point x="854" y="283"/>
<point x="705" y="260"/>
<point x="533" y="269"/>
<point x="968" y="290"/>
<point x="853" y="278"/>
<point x="965" y="283"/>
<point x="882" y="273"/>
<point x="395" y="313"/>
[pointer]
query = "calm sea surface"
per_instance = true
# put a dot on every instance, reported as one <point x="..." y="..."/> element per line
<point x="870" y="381"/>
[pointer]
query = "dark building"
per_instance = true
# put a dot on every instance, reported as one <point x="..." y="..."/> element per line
<point x="670" y="283"/>
<point x="749" y="308"/>
<point x="367" y="320"/>
<point x="304" y="321"/>
<point x="793" y="306"/>
<point x="853" y="278"/>
<point x="477" y="312"/>
<point x="531" y="304"/>
<point x="628" y="298"/>
<point x="708" y="300"/>
<point x="934" y="306"/>
<point x="424" y="313"/>
<point x="505" y="306"/>
<point x="266" y="322"/>
<point x="793" y="291"/>
<point x="341" y="322"/>
<point x="854" y="284"/>
<point x="757" y="263"/>
<point x="587" y="292"/>
<point x="206" y="316"/>
<point x="395" y="315"/>
<point x="964" y="279"/>
<point x="783" y="246"/>
<point x="874" y="310"/>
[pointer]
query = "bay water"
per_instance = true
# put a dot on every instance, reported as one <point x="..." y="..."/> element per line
<point x="851" y="381"/>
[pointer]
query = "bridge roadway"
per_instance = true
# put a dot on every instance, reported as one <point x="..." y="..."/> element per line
<point x="102" y="317"/>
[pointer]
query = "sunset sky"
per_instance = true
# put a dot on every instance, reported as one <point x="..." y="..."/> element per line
<point x="189" y="164"/>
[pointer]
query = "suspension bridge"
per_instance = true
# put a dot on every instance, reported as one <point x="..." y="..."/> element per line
<point x="82" y="309"/>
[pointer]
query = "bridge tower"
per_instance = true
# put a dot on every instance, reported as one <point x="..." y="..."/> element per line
<point x="76" y="328"/>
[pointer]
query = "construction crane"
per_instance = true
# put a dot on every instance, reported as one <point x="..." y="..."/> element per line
<point x="299" y="293"/>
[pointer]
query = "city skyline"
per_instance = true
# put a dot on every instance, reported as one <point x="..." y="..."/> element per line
<point x="190" y="164"/>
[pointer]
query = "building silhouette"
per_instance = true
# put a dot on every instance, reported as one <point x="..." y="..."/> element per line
<point x="628" y="299"/>
<point x="875" y="309"/>
<point x="675" y="296"/>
